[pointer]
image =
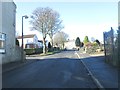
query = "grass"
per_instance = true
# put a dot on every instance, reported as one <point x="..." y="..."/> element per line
<point x="42" y="54"/>
<point x="48" y="53"/>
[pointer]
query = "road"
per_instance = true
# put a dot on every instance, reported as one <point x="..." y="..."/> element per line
<point x="61" y="70"/>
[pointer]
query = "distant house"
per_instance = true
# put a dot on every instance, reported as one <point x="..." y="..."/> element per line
<point x="70" y="44"/>
<point x="30" y="41"/>
<point x="9" y="52"/>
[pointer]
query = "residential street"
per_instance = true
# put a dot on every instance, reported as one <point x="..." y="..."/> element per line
<point x="61" y="70"/>
<point x="59" y="45"/>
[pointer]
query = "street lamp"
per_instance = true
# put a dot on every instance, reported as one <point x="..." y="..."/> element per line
<point x="22" y="28"/>
<point x="25" y="16"/>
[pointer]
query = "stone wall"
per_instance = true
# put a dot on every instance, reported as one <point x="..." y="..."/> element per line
<point x="14" y="56"/>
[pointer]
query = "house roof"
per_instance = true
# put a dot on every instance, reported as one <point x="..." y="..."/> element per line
<point x="26" y="36"/>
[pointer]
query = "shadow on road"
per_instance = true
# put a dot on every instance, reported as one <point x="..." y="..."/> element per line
<point x="55" y="59"/>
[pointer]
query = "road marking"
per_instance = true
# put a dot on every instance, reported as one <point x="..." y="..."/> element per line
<point x="90" y="73"/>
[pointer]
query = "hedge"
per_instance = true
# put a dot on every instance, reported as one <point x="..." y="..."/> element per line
<point x="29" y="51"/>
<point x="38" y="50"/>
<point x="33" y="51"/>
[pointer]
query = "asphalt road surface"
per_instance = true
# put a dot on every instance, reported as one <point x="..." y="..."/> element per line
<point x="61" y="70"/>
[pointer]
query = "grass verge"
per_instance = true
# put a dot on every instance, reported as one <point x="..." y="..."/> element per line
<point x="49" y="53"/>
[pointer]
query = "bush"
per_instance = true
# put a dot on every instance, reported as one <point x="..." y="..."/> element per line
<point x="49" y="45"/>
<point x="93" y="49"/>
<point x="38" y="50"/>
<point x="17" y="42"/>
<point x="29" y="51"/>
<point x="94" y="44"/>
<point x="77" y="42"/>
<point x="50" y="49"/>
<point x="33" y="51"/>
<point x="56" y="48"/>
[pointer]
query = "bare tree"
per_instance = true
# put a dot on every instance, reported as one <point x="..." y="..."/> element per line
<point x="60" y="38"/>
<point x="46" y="21"/>
<point x="55" y="25"/>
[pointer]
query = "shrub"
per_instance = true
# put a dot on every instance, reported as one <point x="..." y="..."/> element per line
<point x="50" y="49"/>
<point x="38" y="50"/>
<point x="94" y="44"/>
<point x="92" y="49"/>
<point x="49" y="45"/>
<point x="56" y="48"/>
<point x="17" y="42"/>
<point x="29" y="51"/>
<point x="77" y="42"/>
<point x="98" y="42"/>
<point x="33" y="51"/>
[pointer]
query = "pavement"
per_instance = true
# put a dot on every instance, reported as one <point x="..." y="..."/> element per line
<point x="106" y="74"/>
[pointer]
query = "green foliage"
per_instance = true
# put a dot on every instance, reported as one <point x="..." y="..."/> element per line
<point x="92" y="49"/>
<point x="56" y="48"/>
<point x="50" y="49"/>
<point x="97" y="41"/>
<point x="38" y="50"/>
<point x="94" y="44"/>
<point x="17" y="42"/>
<point x="77" y="42"/>
<point x="29" y="51"/>
<point x="33" y="51"/>
<point x="86" y="40"/>
<point x="49" y="45"/>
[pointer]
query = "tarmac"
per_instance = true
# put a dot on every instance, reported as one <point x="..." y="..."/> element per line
<point x="105" y="73"/>
<point x="14" y="65"/>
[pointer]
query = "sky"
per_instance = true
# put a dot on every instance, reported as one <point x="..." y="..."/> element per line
<point x="80" y="19"/>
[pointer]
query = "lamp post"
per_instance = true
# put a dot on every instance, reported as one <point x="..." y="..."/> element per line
<point x="22" y="29"/>
<point x="25" y="16"/>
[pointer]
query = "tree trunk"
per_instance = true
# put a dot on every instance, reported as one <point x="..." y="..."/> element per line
<point x="44" y="46"/>
<point x="63" y="45"/>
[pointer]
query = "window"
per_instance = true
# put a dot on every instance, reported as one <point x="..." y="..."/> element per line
<point x="2" y="42"/>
